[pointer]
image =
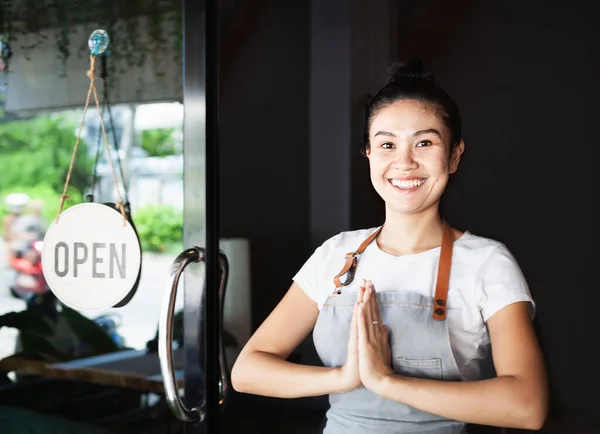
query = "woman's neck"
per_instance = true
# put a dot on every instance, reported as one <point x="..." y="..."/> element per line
<point x="409" y="234"/>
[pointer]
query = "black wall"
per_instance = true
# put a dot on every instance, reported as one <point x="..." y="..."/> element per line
<point x="264" y="148"/>
<point x="525" y="77"/>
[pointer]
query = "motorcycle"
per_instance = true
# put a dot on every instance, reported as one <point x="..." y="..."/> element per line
<point x="29" y="278"/>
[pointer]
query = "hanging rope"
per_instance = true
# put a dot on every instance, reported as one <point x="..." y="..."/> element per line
<point x="91" y="73"/>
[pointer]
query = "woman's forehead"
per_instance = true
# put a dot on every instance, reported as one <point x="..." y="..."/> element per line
<point x="407" y="115"/>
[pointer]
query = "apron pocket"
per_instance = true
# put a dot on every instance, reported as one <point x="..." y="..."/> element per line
<point x="419" y="368"/>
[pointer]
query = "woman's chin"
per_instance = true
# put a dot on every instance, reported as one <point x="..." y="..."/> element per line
<point x="410" y="208"/>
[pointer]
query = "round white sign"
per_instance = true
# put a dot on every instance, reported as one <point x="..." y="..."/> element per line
<point x="90" y="259"/>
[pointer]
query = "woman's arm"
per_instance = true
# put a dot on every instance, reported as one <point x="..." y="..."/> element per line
<point x="516" y="398"/>
<point x="261" y="368"/>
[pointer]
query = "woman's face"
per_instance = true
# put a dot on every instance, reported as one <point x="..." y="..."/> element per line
<point x="410" y="156"/>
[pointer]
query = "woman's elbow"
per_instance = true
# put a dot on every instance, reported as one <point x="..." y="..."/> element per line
<point x="534" y="421"/>
<point x="534" y="413"/>
<point x="238" y="376"/>
<point x="244" y="372"/>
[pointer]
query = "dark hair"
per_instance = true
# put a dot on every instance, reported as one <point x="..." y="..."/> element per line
<point x="411" y="81"/>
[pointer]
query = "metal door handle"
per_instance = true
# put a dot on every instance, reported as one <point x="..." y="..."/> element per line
<point x="165" y="336"/>
<point x="224" y="370"/>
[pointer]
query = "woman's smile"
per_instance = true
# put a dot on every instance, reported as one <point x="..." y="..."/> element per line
<point x="407" y="185"/>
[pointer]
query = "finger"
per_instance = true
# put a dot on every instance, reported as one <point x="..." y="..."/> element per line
<point x="373" y="308"/>
<point x="368" y="310"/>
<point x="354" y="321"/>
<point x="361" y="291"/>
<point x="373" y="302"/>
<point x="379" y="332"/>
<point x="359" y="321"/>
<point x="363" y="328"/>
<point x="353" y="337"/>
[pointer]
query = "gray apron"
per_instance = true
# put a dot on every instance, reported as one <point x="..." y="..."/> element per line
<point x="420" y="346"/>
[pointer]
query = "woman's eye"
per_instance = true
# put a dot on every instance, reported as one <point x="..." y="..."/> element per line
<point x="387" y="145"/>
<point x="423" y="143"/>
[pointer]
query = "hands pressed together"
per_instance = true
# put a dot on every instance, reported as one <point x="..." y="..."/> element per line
<point x="369" y="354"/>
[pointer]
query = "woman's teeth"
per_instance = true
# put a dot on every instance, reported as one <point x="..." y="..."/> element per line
<point x="407" y="184"/>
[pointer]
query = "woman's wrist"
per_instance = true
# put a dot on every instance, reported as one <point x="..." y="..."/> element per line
<point x="384" y="384"/>
<point x="340" y="383"/>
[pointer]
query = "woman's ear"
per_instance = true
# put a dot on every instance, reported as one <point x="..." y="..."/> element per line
<point x="455" y="155"/>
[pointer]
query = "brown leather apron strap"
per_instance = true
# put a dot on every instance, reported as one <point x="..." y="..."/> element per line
<point x="443" y="275"/>
<point x="350" y="264"/>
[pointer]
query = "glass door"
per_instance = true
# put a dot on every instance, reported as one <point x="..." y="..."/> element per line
<point x="78" y="370"/>
<point x="215" y="270"/>
<point x="205" y="384"/>
<point x="159" y="361"/>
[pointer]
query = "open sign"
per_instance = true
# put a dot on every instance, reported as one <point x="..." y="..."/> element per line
<point x="90" y="259"/>
<point x="80" y="262"/>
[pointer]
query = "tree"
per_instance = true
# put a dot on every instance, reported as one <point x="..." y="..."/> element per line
<point x="38" y="151"/>
<point x="160" y="142"/>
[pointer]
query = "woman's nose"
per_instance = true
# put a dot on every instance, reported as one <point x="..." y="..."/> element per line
<point x="404" y="160"/>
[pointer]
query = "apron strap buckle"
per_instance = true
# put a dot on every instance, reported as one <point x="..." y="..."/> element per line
<point x="350" y="264"/>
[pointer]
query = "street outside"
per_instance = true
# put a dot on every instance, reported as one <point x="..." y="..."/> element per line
<point x="139" y="318"/>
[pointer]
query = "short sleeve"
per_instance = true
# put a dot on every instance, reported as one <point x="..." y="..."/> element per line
<point x="308" y="277"/>
<point x="502" y="283"/>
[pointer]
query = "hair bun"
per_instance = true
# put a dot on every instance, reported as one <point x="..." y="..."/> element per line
<point x="411" y="70"/>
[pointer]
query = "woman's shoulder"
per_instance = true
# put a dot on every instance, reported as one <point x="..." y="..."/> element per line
<point x="484" y="253"/>
<point x="478" y="244"/>
<point x="500" y="280"/>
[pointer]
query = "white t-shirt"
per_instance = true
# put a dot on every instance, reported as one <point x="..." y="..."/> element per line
<point x="484" y="278"/>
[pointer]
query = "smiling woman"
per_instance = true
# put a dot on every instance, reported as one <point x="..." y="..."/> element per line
<point x="408" y="317"/>
<point x="413" y="140"/>
<point x="410" y="156"/>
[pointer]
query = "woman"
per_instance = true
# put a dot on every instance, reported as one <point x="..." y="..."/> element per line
<point x="407" y="317"/>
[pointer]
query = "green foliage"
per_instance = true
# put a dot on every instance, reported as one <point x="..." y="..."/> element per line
<point x="2" y="99"/>
<point x="159" y="227"/>
<point x="160" y="142"/>
<point x="47" y="195"/>
<point x="38" y="151"/>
